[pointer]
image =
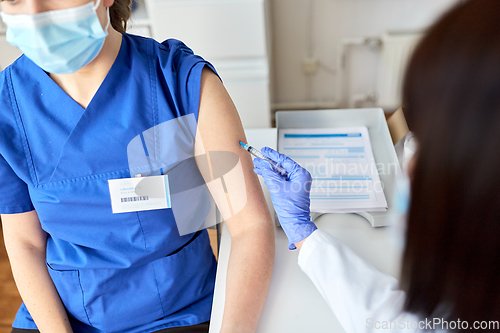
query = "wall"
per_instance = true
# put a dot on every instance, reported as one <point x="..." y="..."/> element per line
<point x="328" y="21"/>
<point x="232" y="36"/>
<point x="292" y="27"/>
<point x="8" y="53"/>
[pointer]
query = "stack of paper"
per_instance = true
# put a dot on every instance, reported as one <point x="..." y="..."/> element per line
<point x="340" y="160"/>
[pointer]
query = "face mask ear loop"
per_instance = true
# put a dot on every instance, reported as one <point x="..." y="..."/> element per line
<point x="107" y="14"/>
<point x="109" y="21"/>
<point x="97" y="5"/>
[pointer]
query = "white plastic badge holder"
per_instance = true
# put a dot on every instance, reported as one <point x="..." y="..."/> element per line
<point x="139" y="194"/>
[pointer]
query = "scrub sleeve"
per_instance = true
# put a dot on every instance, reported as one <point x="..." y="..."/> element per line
<point x="128" y="272"/>
<point x="14" y="196"/>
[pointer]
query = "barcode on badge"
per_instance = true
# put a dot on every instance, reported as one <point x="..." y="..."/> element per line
<point x="131" y="199"/>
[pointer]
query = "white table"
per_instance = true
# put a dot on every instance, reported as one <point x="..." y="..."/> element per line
<point x="293" y="303"/>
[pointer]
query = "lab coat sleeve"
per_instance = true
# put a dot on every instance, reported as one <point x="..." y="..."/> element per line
<point x="361" y="297"/>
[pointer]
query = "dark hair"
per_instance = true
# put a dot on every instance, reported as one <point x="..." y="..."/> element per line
<point x="452" y="104"/>
<point x="120" y="13"/>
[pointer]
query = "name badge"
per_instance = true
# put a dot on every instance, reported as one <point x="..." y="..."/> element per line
<point x="139" y="194"/>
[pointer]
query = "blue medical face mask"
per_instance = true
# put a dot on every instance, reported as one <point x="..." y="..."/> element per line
<point x="402" y="197"/>
<point x="399" y="214"/>
<point x="403" y="183"/>
<point x="58" y="41"/>
<point x="402" y="193"/>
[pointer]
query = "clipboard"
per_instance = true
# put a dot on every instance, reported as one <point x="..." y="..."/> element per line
<point x="381" y="141"/>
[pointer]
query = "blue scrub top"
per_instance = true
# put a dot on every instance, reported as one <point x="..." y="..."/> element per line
<point x="128" y="272"/>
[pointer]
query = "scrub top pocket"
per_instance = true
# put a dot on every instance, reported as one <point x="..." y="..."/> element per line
<point x="116" y="299"/>
<point x="68" y="283"/>
<point x="183" y="276"/>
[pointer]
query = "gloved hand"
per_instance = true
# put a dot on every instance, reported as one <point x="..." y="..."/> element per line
<point x="290" y="194"/>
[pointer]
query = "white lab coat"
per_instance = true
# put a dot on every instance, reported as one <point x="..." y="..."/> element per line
<point x="361" y="297"/>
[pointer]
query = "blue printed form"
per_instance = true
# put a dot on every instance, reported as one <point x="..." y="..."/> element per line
<point x="341" y="162"/>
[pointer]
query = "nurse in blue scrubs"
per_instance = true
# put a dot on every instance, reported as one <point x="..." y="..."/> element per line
<point x="68" y="109"/>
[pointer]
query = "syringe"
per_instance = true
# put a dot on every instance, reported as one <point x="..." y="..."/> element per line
<point x="258" y="154"/>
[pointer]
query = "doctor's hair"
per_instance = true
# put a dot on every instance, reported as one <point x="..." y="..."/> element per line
<point x="451" y="264"/>
<point x="120" y="13"/>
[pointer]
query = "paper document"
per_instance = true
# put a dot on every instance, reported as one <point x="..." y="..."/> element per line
<point x="340" y="160"/>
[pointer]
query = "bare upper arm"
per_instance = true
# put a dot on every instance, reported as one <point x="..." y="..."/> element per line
<point x="23" y="230"/>
<point x="220" y="130"/>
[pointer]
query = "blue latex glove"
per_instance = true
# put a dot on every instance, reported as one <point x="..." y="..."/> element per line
<point x="290" y="194"/>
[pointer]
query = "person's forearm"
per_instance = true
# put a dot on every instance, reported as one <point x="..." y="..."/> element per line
<point x="248" y="277"/>
<point x="299" y="244"/>
<point x="37" y="289"/>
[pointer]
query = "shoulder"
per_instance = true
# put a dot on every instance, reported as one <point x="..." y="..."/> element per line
<point x="5" y="95"/>
<point x="20" y="64"/>
<point x="176" y="67"/>
<point x="2" y="79"/>
<point x="7" y="101"/>
<point x="6" y="88"/>
<point x="170" y="55"/>
<point x="175" y="48"/>
<point x="20" y="69"/>
<point x="4" y="75"/>
<point x="10" y="138"/>
<point x="10" y="78"/>
<point x="174" y="55"/>
<point x="166" y="49"/>
<point x="175" y="45"/>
